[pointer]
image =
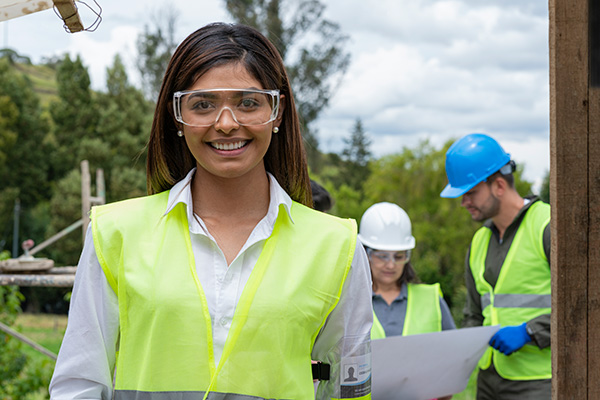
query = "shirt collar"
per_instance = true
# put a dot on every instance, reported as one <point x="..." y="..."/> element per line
<point x="403" y="295"/>
<point x="181" y="192"/>
<point x="527" y="203"/>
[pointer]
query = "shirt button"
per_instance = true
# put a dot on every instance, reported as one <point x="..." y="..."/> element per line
<point x="223" y="321"/>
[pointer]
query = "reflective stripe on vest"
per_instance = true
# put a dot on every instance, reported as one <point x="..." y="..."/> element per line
<point x="423" y="313"/>
<point x="521" y="300"/>
<point x="137" y="395"/>
<point x="521" y="293"/>
<point x="165" y="327"/>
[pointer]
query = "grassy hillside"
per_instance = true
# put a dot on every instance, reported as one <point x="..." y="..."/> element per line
<point x="43" y="79"/>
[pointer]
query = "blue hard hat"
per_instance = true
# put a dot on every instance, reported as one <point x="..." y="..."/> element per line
<point x="470" y="160"/>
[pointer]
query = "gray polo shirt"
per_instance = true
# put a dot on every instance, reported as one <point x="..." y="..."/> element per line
<point x="392" y="316"/>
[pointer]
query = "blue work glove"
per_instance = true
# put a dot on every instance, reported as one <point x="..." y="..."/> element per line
<point x="510" y="338"/>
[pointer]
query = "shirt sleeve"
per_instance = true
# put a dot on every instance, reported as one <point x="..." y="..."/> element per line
<point x="539" y="330"/>
<point x="86" y="359"/>
<point x="447" y="319"/>
<point x="345" y="340"/>
<point x="547" y="242"/>
<point x="472" y="311"/>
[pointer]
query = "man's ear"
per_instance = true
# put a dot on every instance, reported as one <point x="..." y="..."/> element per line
<point x="499" y="186"/>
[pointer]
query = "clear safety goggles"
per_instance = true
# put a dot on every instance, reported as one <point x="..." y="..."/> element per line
<point x="249" y="107"/>
<point x="397" y="257"/>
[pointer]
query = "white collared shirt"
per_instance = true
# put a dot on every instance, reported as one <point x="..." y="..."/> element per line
<point x="85" y="365"/>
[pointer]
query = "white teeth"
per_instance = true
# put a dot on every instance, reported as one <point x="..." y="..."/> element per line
<point x="229" y="146"/>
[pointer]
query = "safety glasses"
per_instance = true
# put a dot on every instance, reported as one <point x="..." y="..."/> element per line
<point x="248" y="107"/>
<point x="397" y="257"/>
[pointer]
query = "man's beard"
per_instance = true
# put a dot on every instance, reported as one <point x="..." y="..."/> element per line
<point x="490" y="209"/>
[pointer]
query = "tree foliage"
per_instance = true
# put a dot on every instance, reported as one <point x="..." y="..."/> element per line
<point x="74" y="114"/>
<point x="545" y="189"/>
<point x="155" y="47"/>
<point x="19" y="375"/>
<point x="356" y="155"/>
<point x="312" y="48"/>
<point x="112" y="140"/>
<point x="24" y="149"/>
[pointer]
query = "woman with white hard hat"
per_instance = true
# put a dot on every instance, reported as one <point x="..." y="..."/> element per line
<point x="401" y="305"/>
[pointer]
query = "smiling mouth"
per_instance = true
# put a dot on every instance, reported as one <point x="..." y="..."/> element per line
<point x="229" y="146"/>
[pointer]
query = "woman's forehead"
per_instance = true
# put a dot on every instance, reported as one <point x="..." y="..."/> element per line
<point x="233" y="75"/>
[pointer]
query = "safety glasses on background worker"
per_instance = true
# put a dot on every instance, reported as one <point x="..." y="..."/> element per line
<point x="397" y="257"/>
<point x="248" y="107"/>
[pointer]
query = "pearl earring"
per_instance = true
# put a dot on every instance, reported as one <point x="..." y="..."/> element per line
<point x="179" y="133"/>
<point x="275" y="130"/>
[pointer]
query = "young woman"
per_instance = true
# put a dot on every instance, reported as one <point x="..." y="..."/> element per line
<point x="401" y="305"/>
<point x="222" y="283"/>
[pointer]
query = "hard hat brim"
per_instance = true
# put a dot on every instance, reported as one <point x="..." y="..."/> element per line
<point x="379" y="246"/>
<point x="451" y="192"/>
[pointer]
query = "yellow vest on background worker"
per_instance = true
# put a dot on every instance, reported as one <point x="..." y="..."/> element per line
<point x="166" y="345"/>
<point x="423" y="313"/>
<point x="521" y="293"/>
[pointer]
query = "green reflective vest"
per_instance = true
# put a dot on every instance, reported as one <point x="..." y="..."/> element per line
<point x="521" y="293"/>
<point x="423" y="313"/>
<point x="165" y="345"/>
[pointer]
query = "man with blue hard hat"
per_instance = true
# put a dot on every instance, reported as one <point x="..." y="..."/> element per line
<point x="507" y="270"/>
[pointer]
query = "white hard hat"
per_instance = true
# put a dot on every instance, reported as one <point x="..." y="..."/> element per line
<point x="386" y="226"/>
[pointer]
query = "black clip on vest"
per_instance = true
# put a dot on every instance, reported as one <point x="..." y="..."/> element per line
<point x="320" y="371"/>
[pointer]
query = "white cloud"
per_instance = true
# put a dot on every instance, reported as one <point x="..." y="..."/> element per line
<point x="99" y="52"/>
<point x="442" y="69"/>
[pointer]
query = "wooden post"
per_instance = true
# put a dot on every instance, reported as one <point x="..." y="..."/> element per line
<point x="593" y="334"/>
<point x="100" y="190"/>
<point x="68" y="11"/>
<point x="574" y="196"/>
<point x="86" y="193"/>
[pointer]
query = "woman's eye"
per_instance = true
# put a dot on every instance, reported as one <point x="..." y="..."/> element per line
<point x="249" y="103"/>
<point x="202" y="105"/>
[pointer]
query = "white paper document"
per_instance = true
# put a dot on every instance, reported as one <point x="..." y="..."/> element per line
<point x="422" y="367"/>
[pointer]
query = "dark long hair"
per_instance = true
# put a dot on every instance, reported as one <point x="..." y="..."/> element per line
<point x="214" y="45"/>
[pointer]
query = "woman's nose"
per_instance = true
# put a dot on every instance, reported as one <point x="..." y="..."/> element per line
<point x="226" y="121"/>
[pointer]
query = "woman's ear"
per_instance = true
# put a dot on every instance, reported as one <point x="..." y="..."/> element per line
<point x="281" y="110"/>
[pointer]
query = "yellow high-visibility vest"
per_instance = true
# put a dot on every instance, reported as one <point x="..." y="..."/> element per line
<point x="166" y="345"/>
<point x="423" y="313"/>
<point x="521" y="293"/>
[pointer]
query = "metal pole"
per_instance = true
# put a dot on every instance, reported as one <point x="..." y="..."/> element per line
<point x="28" y="341"/>
<point x="100" y="190"/>
<point x="15" y="249"/>
<point x="54" y="238"/>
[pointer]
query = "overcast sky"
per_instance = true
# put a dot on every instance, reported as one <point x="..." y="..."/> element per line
<point x="419" y="68"/>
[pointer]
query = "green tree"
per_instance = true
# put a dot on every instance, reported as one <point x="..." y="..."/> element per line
<point x="24" y="163"/>
<point x="117" y="141"/>
<point x="8" y="118"/>
<point x="357" y="155"/>
<point x="19" y="375"/>
<point x="312" y="48"/>
<point x="75" y="115"/>
<point x="545" y="189"/>
<point x="66" y="209"/>
<point x="123" y="129"/>
<point x="155" y="47"/>
<point x="413" y="179"/>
